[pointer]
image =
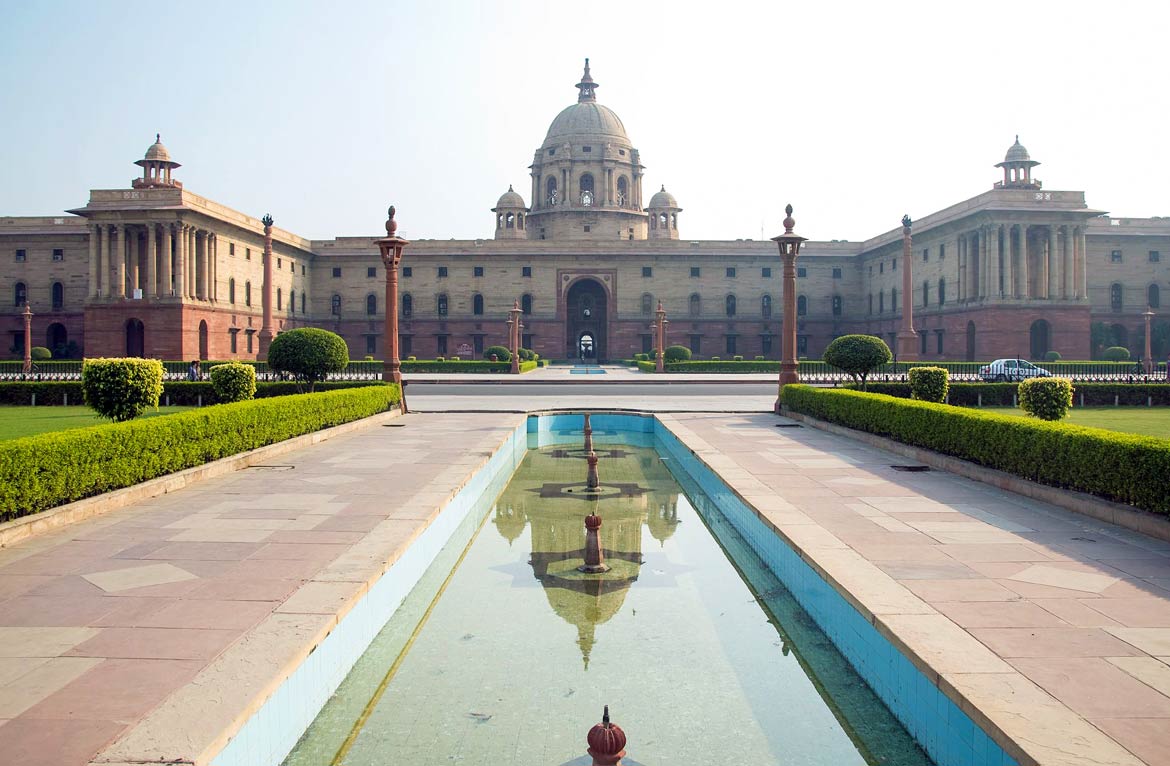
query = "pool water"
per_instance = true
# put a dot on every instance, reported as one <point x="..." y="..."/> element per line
<point x="506" y="653"/>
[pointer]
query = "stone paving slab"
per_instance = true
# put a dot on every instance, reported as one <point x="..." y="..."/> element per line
<point x="1050" y="629"/>
<point x="150" y="632"/>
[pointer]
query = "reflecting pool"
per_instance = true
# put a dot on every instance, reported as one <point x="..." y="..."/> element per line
<point x="506" y="652"/>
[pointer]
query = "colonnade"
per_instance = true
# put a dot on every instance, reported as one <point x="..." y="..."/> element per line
<point x="160" y="259"/>
<point x="1021" y="260"/>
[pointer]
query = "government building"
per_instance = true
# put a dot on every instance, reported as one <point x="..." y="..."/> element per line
<point x="156" y="270"/>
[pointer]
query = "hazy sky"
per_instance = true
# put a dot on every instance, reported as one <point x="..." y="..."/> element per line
<point x="325" y="113"/>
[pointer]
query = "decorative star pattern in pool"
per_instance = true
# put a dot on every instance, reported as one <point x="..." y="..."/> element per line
<point x="578" y="491"/>
<point x="580" y="454"/>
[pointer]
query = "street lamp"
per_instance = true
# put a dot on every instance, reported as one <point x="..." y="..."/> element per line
<point x="390" y="248"/>
<point x="789" y="244"/>
<point x="1148" y="314"/>
<point x="28" y="315"/>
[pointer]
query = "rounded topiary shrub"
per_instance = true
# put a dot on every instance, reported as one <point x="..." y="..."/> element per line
<point x="527" y="355"/>
<point x="759" y="357"/>
<point x="641" y="357"/>
<point x="676" y="354"/>
<point x="40" y="354"/>
<point x="1116" y="354"/>
<point x="737" y="358"/>
<point x="929" y="384"/>
<point x="233" y="382"/>
<point x="308" y="353"/>
<point x="716" y="359"/>
<point x="121" y="389"/>
<point x="858" y="355"/>
<point x="501" y="353"/>
<point x="1052" y="356"/>
<point x="1046" y="398"/>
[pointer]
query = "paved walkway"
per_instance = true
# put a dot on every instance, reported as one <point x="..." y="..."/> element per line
<point x="1053" y="626"/>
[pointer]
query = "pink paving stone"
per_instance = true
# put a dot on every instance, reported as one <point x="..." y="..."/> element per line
<point x="927" y="570"/>
<point x="298" y="552"/>
<point x="959" y="590"/>
<point x="206" y="613"/>
<point x="317" y="536"/>
<point x="994" y="552"/>
<point x="1135" y="612"/>
<point x="1095" y="688"/>
<point x="274" y="569"/>
<point x="1159" y="567"/>
<point x="231" y="589"/>
<point x="1075" y="612"/>
<point x="156" y="643"/>
<point x="52" y="611"/>
<point x="205" y="551"/>
<point x="998" y="614"/>
<point x="120" y="691"/>
<point x="34" y="742"/>
<point x="1053" y="642"/>
<point x="12" y="585"/>
<point x="128" y="610"/>
<point x="1147" y="738"/>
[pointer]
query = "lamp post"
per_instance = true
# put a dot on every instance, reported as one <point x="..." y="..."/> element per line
<point x="514" y="336"/>
<point x="907" y="337"/>
<point x="266" y="293"/>
<point x="660" y="337"/>
<point x="789" y="244"/>
<point x="390" y="248"/>
<point x="1148" y="314"/>
<point x="28" y="337"/>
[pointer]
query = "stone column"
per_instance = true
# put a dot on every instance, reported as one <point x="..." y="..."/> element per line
<point x="166" y="289"/>
<point x="1009" y="261"/>
<point x="1066" y="267"/>
<point x="109" y="261"/>
<point x="1025" y="292"/>
<point x="985" y="261"/>
<point x="135" y="255"/>
<point x="1083" y="260"/>
<point x="907" y="337"/>
<point x="94" y="270"/>
<point x="266" y="293"/>
<point x="118" y="235"/>
<point x="206" y="275"/>
<point x="1051" y="266"/>
<point x="151" y="261"/>
<point x="214" y="264"/>
<point x="192" y="262"/>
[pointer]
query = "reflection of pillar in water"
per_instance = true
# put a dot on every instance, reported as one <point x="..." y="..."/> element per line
<point x="591" y="480"/>
<point x="588" y="434"/>
<point x="594" y="562"/>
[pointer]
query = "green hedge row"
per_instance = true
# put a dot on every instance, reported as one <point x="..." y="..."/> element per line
<point x="1000" y="394"/>
<point x="1122" y="467"/>
<point x="176" y="392"/>
<point x="41" y="472"/>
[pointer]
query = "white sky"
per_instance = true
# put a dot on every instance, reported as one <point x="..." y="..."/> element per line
<point x="324" y="114"/>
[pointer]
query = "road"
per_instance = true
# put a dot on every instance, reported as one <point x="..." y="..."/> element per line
<point x="649" y="396"/>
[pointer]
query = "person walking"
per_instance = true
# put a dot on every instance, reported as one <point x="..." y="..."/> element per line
<point x="193" y="370"/>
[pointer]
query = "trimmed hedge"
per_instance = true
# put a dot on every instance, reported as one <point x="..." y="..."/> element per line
<point x="41" y="472"/>
<point x="1000" y="394"/>
<point x="179" y="392"/>
<point x="1046" y="398"/>
<point x="929" y="384"/>
<point x="1121" y="467"/>
<point x="121" y="389"/>
<point x="233" y="382"/>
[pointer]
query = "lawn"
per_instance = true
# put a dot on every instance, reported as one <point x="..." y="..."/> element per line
<point x="1150" y="421"/>
<point x="16" y="422"/>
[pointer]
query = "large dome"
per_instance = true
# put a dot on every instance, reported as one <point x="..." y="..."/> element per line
<point x="588" y="118"/>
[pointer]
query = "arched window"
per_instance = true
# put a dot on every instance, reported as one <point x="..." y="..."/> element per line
<point x="510" y="221"/>
<point x="647" y="304"/>
<point x="441" y="304"/>
<point x="407" y="305"/>
<point x="694" y="305"/>
<point x="335" y="305"/>
<point x="729" y="304"/>
<point x="623" y="191"/>
<point x="926" y="293"/>
<point x="20" y="296"/>
<point x="477" y="305"/>
<point x="499" y="220"/>
<point x="586" y="190"/>
<point x="1153" y="297"/>
<point x="1115" y="297"/>
<point x="550" y="191"/>
<point x="371" y="304"/>
<point x="881" y="302"/>
<point x="871" y="303"/>
<point x="58" y="296"/>
<point x="231" y="291"/>
<point x="894" y="299"/>
<point x="292" y="301"/>
<point x="801" y="306"/>
<point x="279" y="300"/>
<point x="766" y="306"/>
<point x="674" y="221"/>
<point x="304" y="296"/>
<point x="942" y="291"/>
<point x="247" y="293"/>
<point x="520" y="221"/>
<point x="838" y="305"/>
<point x="526" y="303"/>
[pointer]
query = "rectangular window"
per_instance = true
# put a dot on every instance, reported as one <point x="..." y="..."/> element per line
<point x="233" y="334"/>
<point x="647" y="343"/>
<point x="250" y="343"/>
<point x="766" y="272"/>
<point x="836" y="273"/>
<point x="694" y="273"/>
<point x="21" y="257"/>
<point x="587" y="149"/>
<point x="587" y="229"/>
<point x="922" y="342"/>
<point x="765" y="344"/>
<point x="302" y="269"/>
<point x="1155" y="256"/>
<point x="247" y="253"/>
<point x="336" y="272"/>
<point x="801" y="272"/>
<point x="280" y="263"/>
<point x="231" y="251"/>
<point x="371" y="345"/>
<point x="407" y="271"/>
<point x="894" y="265"/>
<point x="526" y="340"/>
<point x="441" y="345"/>
<point x="58" y="254"/>
<point x="730" y="272"/>
<point x="938" y="342"/>
<point x="881" y="267"/>
<point x="695" y="343"/>
<point x="526" y="271"/>
<point x="477" y="345"/>
<point x="925" y="257"/>
<point x="731" y="345"/>
<point x="371" y="272"/>
<point x="942" y="251"/>
<point x="801" y="345"/>
<point x="1115" y="256"/>
<point x="647" y="271"/>
<point x="405" y="345"/>
<point x="477" y="271"/>
<point x="442" y="272"/>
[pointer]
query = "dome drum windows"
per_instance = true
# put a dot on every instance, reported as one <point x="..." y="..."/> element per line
<point x="587" y="192"/>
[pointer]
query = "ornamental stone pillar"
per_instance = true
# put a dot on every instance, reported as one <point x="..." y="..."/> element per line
<point x="1083" y="281"/>
<point x="94" y="270"/>
<point x="1066" y="267"/>
<point x="135" y="255"/>
<point x="180" y="260"/>
<point x="151" y="261"/>
<point x="1025" y="292"/>
<point x="266" y="333"/>
<point x="118" y="232"/>
<point x="907" y="337"/>
<point x="167" y="289"/>
<point x="1052" y="266"/>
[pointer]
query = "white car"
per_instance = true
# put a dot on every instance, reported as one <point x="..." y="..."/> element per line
<point x="1013" y="370"/>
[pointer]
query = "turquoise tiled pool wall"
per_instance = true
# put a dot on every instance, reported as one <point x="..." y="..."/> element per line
<point x="608" y="428"/>
<point x="268" y="736"/>
<point x="947" y="734"/>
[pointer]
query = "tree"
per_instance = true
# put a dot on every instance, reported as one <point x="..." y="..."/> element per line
<point x="857" y="355"/>
<point x="308" y="353"/>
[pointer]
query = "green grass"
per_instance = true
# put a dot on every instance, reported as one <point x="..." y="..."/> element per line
<point x="1149" y="421"/>
<point x="16" y="422"/>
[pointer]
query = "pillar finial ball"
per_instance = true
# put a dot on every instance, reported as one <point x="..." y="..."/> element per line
<point x="267" y="220"/>
<point x="606" y="739"/>
<point x="906" y="222"/>
<point x="391" y="224"/>
<point x="789" y="222"/>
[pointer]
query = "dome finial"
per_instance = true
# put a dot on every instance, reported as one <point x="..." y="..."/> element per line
<point x="158" y="138"/>
<point x="586" y="86"/>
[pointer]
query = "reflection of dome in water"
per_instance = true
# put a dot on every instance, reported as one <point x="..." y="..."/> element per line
<point x="662" y="518"/>
<point x="600" y="597"/>
<point x="510" y="521"/>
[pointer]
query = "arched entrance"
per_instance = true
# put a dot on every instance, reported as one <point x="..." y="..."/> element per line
<point x="970" y="341"/>
<point x="135" y="338"/>
<point x="1041" y="334"/>
<point x="57" y="340"/>
<point x="586" y="307"/>
<point x="203" y="339"/>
